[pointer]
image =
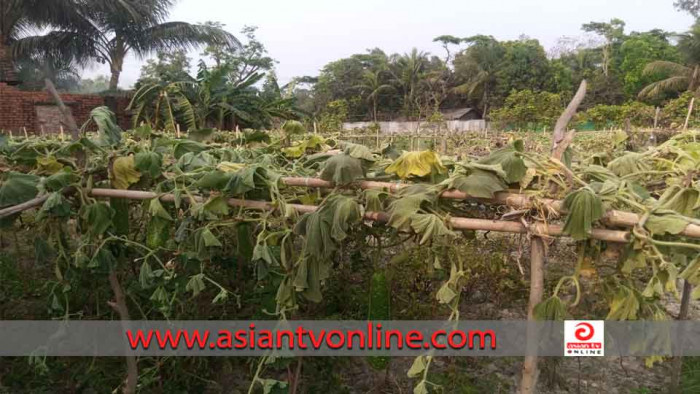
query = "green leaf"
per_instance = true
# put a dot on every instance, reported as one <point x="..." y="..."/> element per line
<point x="18" y="188"/>
<point x="666" y="222"/>
<point x="155" y="208"/>
<point x="374" y="199"/>
<point x="55" y="205"/>
<point x="629" y="163"/>
<point x="98" y="218"/>
<point x="342" y="169"/>
<point x="679" y="199"/>
<point x="216" y="206"/>
<point x="145" y="275"/>
<point x="510" y="161"/>
<point x="410" y="201"/>
<point x="292" y="127"/>
<point x="59" y="180"/>
<point x="195" y="284"/>
<point x="210" y="239"/>
<point x="108" y="131"/>
<point x="123" y="173"/>
<point x="550" y="309"/>
<point x="445" y="295"/>
<point x="149" y="163"/>
<point x="624" y="306"/>
<point x="478" y="183"/>
<point x="358" y="152"/>
<point x="214" y="180"/>
<point x="584" y="207"/>
<point x="187" y="146"/>
<point x="418" y="366"/>
<point x="430" y="226"/>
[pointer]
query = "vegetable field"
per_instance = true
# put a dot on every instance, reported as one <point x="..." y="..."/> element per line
<point x="285" y="224"/>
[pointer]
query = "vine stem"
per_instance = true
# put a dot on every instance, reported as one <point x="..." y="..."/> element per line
<point x="119" y="305"/>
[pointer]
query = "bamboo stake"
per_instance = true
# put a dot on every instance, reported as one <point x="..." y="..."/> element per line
<point x="62" y="135"/>
<point x="690" y="110"/>
<point x="26" y="136"/>
<point x="537" y="259"/>
<point x="656" y="117"/>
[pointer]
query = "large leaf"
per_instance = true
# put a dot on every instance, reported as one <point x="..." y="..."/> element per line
<point x="416" y="164"/>
<point x="584" y="207"/>
<point x="98" y="218"/>
<point x="187" y="146"/>
<point x="409" y="202"/>
<point x="477" y="183"/>
<point x="679" y="199"/>
<point x="628" y="164"/>
<point x="18" y="188"/>
<point x="124" y="173"/>
<point x="358" y="151"/>
<point x="342" y="169"/>
<point x="511" y="162"/>
<point x="430" y="227"/>
<point x="149" y="162"/>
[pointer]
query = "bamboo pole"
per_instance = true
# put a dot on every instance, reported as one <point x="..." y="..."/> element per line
<point x="455" y="222"/>
<point x="690" y="110"/>
<point x="656" y="117"/>
<point x="537" y="259"/>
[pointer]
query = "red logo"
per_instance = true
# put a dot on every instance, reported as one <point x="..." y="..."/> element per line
<point x="584" y="333"/>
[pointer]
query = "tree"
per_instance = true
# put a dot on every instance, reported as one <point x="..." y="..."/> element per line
<point x="677" y="77"/>
<point x="446" y="41"/>
<point x="372" y="86"/>
<point x="613" y="32"/>
<point x="166" y="67"/>
<point x="477" y="66"/>
<point x="94" y="85"/>
<point x="408" y="70"/>
<point x="19" y="16"/>
<point x="107" y="31"/>
<point x="524" y="66"/>
<point x="638" y="50"/>
<point x="690" y="6"/>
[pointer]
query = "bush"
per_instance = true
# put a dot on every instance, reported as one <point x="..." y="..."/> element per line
<point x="526" y="109"/>
<point x="607" y="116"/>
<point x="674" y="112"/>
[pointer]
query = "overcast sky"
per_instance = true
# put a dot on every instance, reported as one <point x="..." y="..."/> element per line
<point x="304" y="35"/>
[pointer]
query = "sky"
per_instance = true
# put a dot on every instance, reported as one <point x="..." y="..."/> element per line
<point x="304" y="35"/>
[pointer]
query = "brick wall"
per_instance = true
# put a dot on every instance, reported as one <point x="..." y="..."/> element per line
<point x="32" y="110"/>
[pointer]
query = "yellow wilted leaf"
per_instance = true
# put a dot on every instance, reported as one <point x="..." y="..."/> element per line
<point x="124" y="173"/>
<point x="48" y="165"/>
<point x="227" y="166"/>
<point x="418" y="164"/>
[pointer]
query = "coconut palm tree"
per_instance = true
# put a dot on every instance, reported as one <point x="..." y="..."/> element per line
<point x="18" y="18"/>
<point x="678" y="77"/>
<point x="373" y="87"/>
<point x="109" y="30"/>
<point x="477" y="67"/>
<point x="407" y="71"/>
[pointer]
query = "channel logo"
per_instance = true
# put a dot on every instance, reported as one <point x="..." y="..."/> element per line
<point x="584" y="338"/>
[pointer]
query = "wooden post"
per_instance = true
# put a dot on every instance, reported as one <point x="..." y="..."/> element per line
<point x="656" y="117"/>
<point x="62" y="135"/>
<point x="537" y="258"/>
<point x="177" y="130"/>
<point x="677" y="364"/>
<point x="690" y="110"/>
